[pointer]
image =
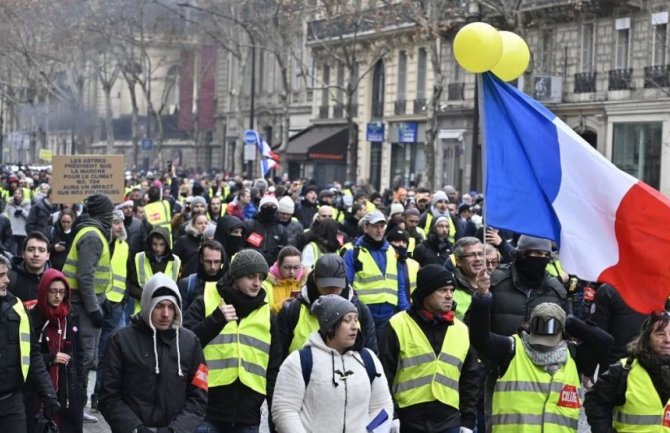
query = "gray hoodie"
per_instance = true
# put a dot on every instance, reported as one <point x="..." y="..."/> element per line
<point x="167" y="290"/>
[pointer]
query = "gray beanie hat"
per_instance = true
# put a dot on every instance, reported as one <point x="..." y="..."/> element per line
<point x="329" y="309"/>
<point x="248" y="262"/>
<point x="117" y="215"/>
<point x="198" y="199"/>
<point x="532" y="243"/>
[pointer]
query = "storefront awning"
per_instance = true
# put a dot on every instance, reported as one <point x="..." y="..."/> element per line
<point x="319" y="142"/>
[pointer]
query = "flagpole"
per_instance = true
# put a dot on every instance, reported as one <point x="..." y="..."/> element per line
<point x="482" y="133"/>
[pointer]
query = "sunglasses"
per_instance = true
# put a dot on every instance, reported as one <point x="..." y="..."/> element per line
<point x="542" y="326"/>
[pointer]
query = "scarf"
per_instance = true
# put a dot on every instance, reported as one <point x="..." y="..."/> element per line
<point x="373" y="243"/>
<point x="550" y="359"/>
<point x="658" y="367"/>
<point x="54" y="332"/>
<point x="243" y="304"/>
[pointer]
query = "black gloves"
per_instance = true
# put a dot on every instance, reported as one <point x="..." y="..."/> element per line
<point x="51" y="408"/>
<point x="18" y="212"/>
<point x="97" y="319"/>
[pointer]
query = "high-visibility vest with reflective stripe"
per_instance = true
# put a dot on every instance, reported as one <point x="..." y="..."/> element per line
<point x="103" y="274"/>
<point x="241" y="350"/>
<point x="411" y="246"/>
<point x="372" y="286"/>
<point x="144" y="272"/>
<point x="307" y="323"/>
<point x="641" y="412"/>
<point x="422" y="376"/>
<point x="316" y="252"/>
<point x="527" y="399"/>
<point x="24" y="338"/>
<point x="463" y="300"/>
<point x="159" y="215"/>
<point x="413" y="269"/>
<point x="117" y="289"/>
<point x="452" y="226"/>
<point x="346" y="247"/>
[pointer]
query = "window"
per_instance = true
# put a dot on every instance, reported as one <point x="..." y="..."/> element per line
<point x="326" y="83"/>
<point x="546" y="51"/>
<point x="622" y="41"/>
<point x="588" y="38"/>
<point x="421" y="73"/>
<point x="659" y="26"/>
<point x="340" y="83"/>
<point x="378" y="90"/>
<point x="269" y="72"/>
<point x="401" y="91"/>
<point x="636" y="149"/>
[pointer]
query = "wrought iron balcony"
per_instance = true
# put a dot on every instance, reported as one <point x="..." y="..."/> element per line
<point x="338" y="111"/>
<point x="400" y="107"/>
<point x="656" y="76"/>
<point x="620" y="79"/>
<point x="323" y="112"/>
<point x="585" y="82"/>
<point x="420" y="105"/>
<point x="456" y="92"/>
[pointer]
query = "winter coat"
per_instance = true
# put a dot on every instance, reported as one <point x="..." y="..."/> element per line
<point x="293" y="230"/>
<point x="513" y="303"/>
<point x="186" y="248"/>
<point x="150" y="376"/>
<point x="56" y="258"/>
<point x="24" y="284"/>
<point x="426" y="253"/>
<point x="274" y="238"/>
<point x="18" y="222"/>
<point x="281" y="290"/>
<point x="6" y="235"/>
<point x="136" y="234"/>
<point x="290" y="314"/>
<point x="39" y="217"/>
<point x="350" y="226"/>
<point x="433" y="416"/>
<point x="157" y="265"/>
<point x="305" y="212"/>
<point x="324" y="406"/>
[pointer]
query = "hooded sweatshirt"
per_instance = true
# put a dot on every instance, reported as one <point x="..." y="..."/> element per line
<point x="154" y="378"/>
<point x="225" y="225"/>
<point x="158" y="264"/>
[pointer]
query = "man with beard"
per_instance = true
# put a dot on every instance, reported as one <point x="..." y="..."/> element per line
<point x="24" y="278"/>
<point x="436" y="248"/>
<point x="439" y="208"/>
<point x="407" y="268"/>
<point x="522" y="285"/>
<point x="212" y="265"/>
<point x="135" y="230"/>
<point x="416" y="234"/>
<point x="308" y="206"/>
<point x="264" y="233"/>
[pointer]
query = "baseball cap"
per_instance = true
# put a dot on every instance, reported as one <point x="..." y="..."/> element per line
<point x="374" y="217"/>
<point x="329" y="272"/>
<point x="547" y="322"/>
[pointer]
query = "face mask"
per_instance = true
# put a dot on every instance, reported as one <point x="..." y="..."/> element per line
<point x="402" y="253"/>
<point x="532" y="269"/>
<point x="267" y="214"/>
<point x="233" y="244"/>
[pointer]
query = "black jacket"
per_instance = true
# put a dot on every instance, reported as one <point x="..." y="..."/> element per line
<point x="512" y="302"/>
<point x="56" y="258"/>
<point x="432" y="417"/>
<point x="186" y="248"/>
<point x="133" y="394"/>
<point x="71" y="377"/>
<point x="234" y="404"/>
<point x="608" y="392"/>
<point x="274" y="238"/>
<point x="290" y="314"/>
<point x="612" y="314"/>
<point x="428" y="253"/>
<point x="134" y="288"/>
<point x="350" y="226"/>
<point x="10" y="361"/>
<point x="305" y="212"/>
<point x="6" y="236"/>
<point x="499" y="349"/>
<point x="39" y="218"/>
<point x="24" y="284"/>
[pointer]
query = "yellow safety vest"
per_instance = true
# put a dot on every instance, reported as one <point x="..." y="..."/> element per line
<point x="159" y="215"/>
<point x="103" y="275"/>
<point x="24" y="338"/>
<point x="27" y="193"/>
<point x="241" y="350"/>
<point x="527" y="399"/>
<point x="144" y="272"/>
<point x="422" y="376"/>
<point x="641" y="413"/>
<point x="307" y="323"/>
<point x="463" y="300"/>
<point x="346" y="247"/>
<point x="117" y="288"/>
<point x="372" y="286"/>
<point x="452" y="226"/>
<point x="555" y="268"/>
<point x="316" y="252"/>
<point x="413" y="269"/>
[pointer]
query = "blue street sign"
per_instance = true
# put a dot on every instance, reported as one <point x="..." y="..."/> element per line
<point x="375" y="131"/>
<point x="147" y="144"/>
<point x="250" y="136"/>
<point x="408" y="132"/>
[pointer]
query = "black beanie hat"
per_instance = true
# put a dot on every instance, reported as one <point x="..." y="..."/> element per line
<point x="99" y="205"/>
<point x="430" y="278"/>
<point x="397" y="234"/>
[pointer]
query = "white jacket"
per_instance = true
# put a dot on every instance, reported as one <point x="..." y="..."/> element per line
<point x="324" y="407"/>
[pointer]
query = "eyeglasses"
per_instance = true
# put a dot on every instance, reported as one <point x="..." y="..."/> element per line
<point x="492" y="263"/>
<point x="58" y="292"/>
<point x="291" y="268"/>
<point x="472" y="255"/>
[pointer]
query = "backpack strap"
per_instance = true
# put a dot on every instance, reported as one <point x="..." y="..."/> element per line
<point x="306" y="363"/>
<point x="369" y="364"/>
<point x="190" y="290"/>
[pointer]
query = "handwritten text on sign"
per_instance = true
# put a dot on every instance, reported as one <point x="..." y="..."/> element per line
<point x="77" y="177"/>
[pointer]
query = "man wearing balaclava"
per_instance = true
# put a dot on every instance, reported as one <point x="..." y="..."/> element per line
<point x="88" y="272"/>
<point x="524" y="284"/>
<point x="155" y="377"/>
<point x="264" y="233"/>
<point x="537" y="387"/>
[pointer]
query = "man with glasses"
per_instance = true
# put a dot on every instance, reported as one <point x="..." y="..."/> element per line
<point x="468" y="260"/>
<point x="211" y="267"/>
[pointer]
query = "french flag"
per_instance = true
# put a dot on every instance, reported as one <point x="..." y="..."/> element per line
<point x="267" y="165"/>
<point x="544" y="180"/>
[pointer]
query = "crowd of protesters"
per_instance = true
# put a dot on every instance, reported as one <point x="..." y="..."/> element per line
<point x="199" y="299"/>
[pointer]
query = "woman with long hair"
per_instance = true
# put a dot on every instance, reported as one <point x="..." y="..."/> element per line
<point x="322" y="239"/>
<point x="61" y="237"/>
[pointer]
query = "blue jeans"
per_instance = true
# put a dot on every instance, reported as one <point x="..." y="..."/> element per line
<point x="215" y="427"/>
<point x="128" y="309"/>
<point x="113" y="321"/>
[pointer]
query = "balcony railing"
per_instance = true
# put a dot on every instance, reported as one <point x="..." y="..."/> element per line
<point x="420" y="105"/>
<point x="656" y="76"/>
<point x="323" y="112"/>
<point x="338" y="111"/>
<point x="620" y="79"/>
<point x="585" y="82"/>
<point x="456" y="91"/>
<point x="400" y="107"/>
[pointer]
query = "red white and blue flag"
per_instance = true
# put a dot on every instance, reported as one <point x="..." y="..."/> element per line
<point x="544" y="180"/>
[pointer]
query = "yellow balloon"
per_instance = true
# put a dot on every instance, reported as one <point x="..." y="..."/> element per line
<point x="515" y="57"/>
<point x="477" y="47"/>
